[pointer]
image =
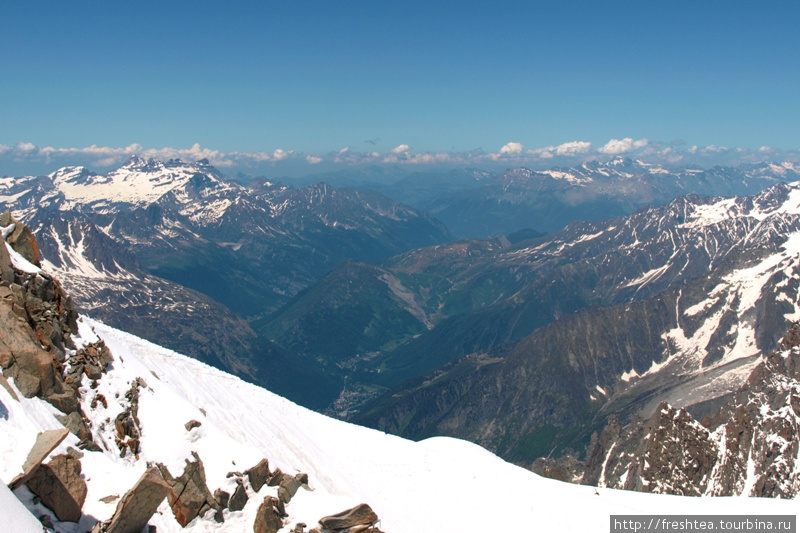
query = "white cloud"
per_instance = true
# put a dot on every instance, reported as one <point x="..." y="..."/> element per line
<point x="573" y="148"/>
<point x="429" y="158"/>
<point x="510" y="154"/>
<point x="714" y="149"/>
<point x="400" y="149"/>
<point x="107" y="162"/>
<point x="25" y="147"/>
<point x="543" y="153"/>
<point x="280" y="154"/>
<point x="511" y="148"/>
<point x="622" y="146"/>
<point x="567" y="149"/>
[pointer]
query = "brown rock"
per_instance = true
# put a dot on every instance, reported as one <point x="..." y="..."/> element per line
<point x="361" y="514"/>
<point x="276" y="478"/>
<point x="139" y="503"/>
<point x="189" y="496"/>
<point x="222" y="497"/>
<point x="259" y="474"/>
<point x="267" y="519"/>
<point x="22" y="240"/>
<point x="60" y="486"/>
<point x="6" y="267"/>
<point x="191" y="424"/>
<point x="46" y="442"/>
<point x="239" y="498"/>
<point x="35" y="372"/>
<point x="76" y="425"/>
<point x="288" y="488"/>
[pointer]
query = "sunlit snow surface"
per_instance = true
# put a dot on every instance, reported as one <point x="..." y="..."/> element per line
<point x="437" y="485"/>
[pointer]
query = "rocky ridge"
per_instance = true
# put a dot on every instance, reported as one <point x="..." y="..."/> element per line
<point x="749" y="447"/>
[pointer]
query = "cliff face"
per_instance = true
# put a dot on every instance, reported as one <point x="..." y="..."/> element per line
<point x="37" y="320"/>
<point x="749" y="447"/>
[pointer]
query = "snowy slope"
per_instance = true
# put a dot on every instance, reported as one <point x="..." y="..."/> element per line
<point x="437" y="485"/>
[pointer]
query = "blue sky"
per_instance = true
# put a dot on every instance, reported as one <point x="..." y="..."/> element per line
<point x="305" y="83"/>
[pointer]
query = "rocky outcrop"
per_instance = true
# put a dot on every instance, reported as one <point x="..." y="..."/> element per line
<point x="127" y="422"/>
<point x="239" y="498"/>
<point x="749" y="447"/>
<point x="268" y="519"/>
<point x="38" y="320"/>
<point x="138" y="505"/>
<point x="60" y="486"/>
<point x="675" y="457"/>
<point x="20" y="237"/>
<point x="259" y="474"/>
<point x="288" y="487"/>
<point x="90" y="361"/>
<point x="189" y="496"/>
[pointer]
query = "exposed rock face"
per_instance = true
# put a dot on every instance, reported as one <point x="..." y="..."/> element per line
<point x="90" y="361"/>
<point x="675" y="457"/>
<point x="239" y="498"/>
<point x="139" y="503"/>
<point x="222" y="497"/>
<point x="259" y="474"/>
<point x="189" y="496"/>
<point x="267" y="518"/>
<point x="610" y="454"/>
<point x="21" y="238"/>
<point x="288" y="488"/>
<point x="127" y="422"/>
<point x="361" y="514"/>
<point x="60" y="486"/>
<point x="276" y="478"/>
<point x="35" y="371"/>
<point x="38" y="319"/>
<point x="750" y="447"/>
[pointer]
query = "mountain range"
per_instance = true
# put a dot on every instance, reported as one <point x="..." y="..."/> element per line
<point x="102" y="431"/>
<point x="344" y="300"/>
<point x="476" y="203"/>
<point x="176" y="253"/>
<point x="600" y="318"/>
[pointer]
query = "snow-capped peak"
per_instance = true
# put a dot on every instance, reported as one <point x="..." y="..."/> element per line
<point x="137" y="182"/>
